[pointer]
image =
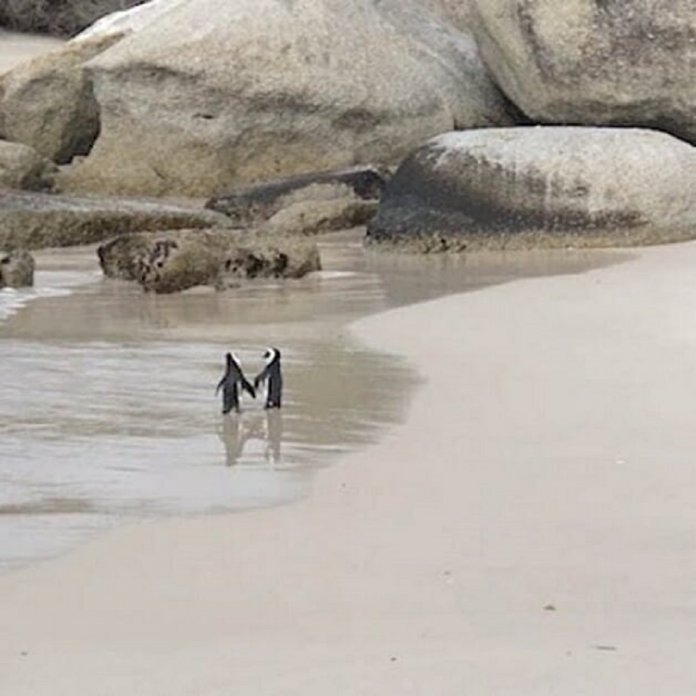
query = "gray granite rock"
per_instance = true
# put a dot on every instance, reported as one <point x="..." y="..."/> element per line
<point x="268" y="88"/>
<point x="21" y="167"/>
<point x="543" y="186"/>
<point x="36" y="220"/>
<point x="16" y="268"/>
<point x="594" y="62"/>
<point x="254" y="204"/>
<point x="175" y="260"/>
<point x="316" y="217"/>
<point x="48" y="103"/>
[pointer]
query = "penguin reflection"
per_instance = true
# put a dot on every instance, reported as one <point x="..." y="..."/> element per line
<point x="274" y="435"/>
<point x="266" y="426"/>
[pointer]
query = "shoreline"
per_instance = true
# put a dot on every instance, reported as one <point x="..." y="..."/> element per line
<point x="107" y="448"/>
<point x="524" y="530"/>
<point x="108" y="415"/>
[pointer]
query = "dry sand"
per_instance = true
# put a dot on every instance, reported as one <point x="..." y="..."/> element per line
<point x="528" y="530"/>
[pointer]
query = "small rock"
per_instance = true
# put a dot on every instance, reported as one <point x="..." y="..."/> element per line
<point x="255" y="204"/>
<point x="16" y="269"/>
<point x="315" y="217"/>
<point x="175" y="260"/>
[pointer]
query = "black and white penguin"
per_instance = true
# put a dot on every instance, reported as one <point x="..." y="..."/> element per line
<point x="273" y="377"/>
<point x="230" y="383"/>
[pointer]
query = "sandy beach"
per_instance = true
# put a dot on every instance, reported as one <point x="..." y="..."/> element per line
<point x="108" y="413"/>
<point x="527" y="530"/>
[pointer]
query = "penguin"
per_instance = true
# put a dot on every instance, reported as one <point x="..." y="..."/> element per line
<point x="230" y="382"/>
<point x="272" y="376"/>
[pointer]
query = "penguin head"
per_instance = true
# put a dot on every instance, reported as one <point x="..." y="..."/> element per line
<point x="271" y="354"/>
<point x="231" y="359"/>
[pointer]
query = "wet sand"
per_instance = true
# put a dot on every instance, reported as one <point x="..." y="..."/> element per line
<point x="107" y="412"/>
<point x="527" y="529"/>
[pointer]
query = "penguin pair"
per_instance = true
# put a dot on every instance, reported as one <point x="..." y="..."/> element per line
<point x="234" y="379"/>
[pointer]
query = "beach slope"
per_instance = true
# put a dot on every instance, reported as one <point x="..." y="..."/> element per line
<point x="528" y="530"/>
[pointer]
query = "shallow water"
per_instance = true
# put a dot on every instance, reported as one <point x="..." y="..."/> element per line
<point x="107" y="406"/>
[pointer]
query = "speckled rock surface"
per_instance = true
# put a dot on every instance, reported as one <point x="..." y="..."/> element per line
<point x="21" y="167"/>
<point x="543" y="186"/>
<point x="36" y="220"/>
<point x="594" y="62"/>
<point x="175" y="260"/>
<point x="457" y="12"/>
<point x="16" y="268"/>
<point x="48" y="102"/>
<point x="315" y="217"/>
<point x="267" y="88"/>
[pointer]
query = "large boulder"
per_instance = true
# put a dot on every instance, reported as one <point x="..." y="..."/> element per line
<point x="175" y="260"/>
<point x="16" y="268"/>
<point x="21" y="167"/>
<point x="48" y="102"/>
<point x="36" y="220"/>
<point x="267" y="88"/>
<point x="594" y="62"/>
<point x="541" y="186"/>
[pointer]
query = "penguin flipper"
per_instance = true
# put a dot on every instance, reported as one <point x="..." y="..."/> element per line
<point x="248" y="387"/>
<point x="260" y="378"/>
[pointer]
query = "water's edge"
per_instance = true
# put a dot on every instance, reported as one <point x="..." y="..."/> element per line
<point x="107" y="412"/>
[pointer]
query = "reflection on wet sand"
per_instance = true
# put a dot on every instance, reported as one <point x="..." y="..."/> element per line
<point x="237" y="430"/>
